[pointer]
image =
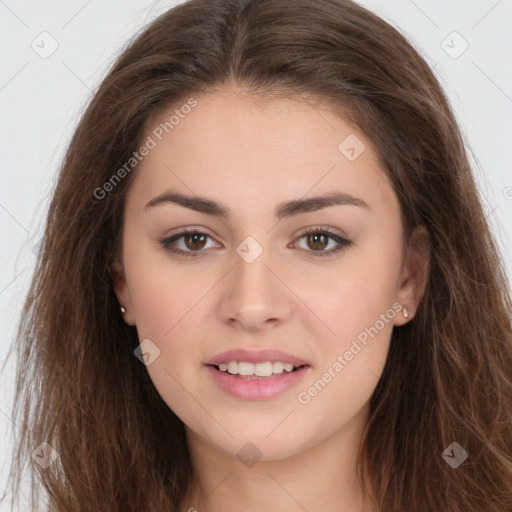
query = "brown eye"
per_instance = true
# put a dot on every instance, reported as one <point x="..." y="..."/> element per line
<point x="317" y="241"/>
<point x="194" y="241"/>
<point x="187" y="243"/>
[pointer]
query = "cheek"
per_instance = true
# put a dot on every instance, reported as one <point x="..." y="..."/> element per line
<point x="352" y="354"/>
<point x="357" y="315"/>
<point x="158" y="293"/>
<point x="370" y="283"/>
<point x="351" y="296"/>
<point x="166" y="314"/>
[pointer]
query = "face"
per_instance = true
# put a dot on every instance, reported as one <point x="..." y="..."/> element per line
<point x="253" y="278"/>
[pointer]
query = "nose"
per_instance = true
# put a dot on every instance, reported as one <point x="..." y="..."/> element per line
<point x="254" y="296"/>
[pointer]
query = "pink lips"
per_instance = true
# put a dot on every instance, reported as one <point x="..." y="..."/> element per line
<point x="257" y="389"/>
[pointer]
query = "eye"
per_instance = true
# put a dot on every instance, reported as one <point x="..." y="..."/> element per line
<point x="318" y="239"/>
<point x="193" y="239"/>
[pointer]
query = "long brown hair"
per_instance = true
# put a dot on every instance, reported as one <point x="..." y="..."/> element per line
<point x="448" y="375"/>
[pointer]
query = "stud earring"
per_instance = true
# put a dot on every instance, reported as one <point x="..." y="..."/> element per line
<point x="405" y="313"/>
<point x="123" y="310"/>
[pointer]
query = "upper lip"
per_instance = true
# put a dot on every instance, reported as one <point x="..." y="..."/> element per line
<point x="253" y="356"/>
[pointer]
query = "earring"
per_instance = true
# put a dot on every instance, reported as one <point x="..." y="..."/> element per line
<point x="123" y="310"/>
<point x="405" y="312"/>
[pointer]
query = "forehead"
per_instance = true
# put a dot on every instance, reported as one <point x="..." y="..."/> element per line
<point x="233" y="146"/>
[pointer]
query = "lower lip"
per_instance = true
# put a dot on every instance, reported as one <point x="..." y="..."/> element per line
<point x="257" y="389"/>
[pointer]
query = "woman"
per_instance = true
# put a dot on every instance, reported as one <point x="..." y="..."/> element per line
<point x="267" y="280"/>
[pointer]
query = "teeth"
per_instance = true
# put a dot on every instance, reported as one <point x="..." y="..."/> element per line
<point x="278" y="367"/>
<point x="245" y="368"/>
<point x="265" y="369"/>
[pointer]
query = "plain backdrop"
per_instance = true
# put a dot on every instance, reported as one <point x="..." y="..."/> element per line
<point x="54" y="54"/>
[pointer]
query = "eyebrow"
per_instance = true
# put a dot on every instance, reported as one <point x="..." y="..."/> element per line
<point x="283" y="210"/>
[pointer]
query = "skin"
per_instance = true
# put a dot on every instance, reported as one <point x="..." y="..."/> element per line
<point x="250" y="157"/>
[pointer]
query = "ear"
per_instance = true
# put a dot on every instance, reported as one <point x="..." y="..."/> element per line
<point x="122" y="292"/>
<point x="415" y="273"/>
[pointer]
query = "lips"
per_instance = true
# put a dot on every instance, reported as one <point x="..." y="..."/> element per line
<point x="252" y="389"/>
<point x="260" y="356"/>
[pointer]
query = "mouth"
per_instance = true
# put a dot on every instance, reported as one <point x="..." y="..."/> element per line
<point x="257" y="375"/>
<point x="257" y="371"/>
<point x="253" y="386"/>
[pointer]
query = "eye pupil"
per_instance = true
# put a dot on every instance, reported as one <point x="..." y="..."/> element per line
<point x="193" y="236"/>
<point x="315" y="237"/>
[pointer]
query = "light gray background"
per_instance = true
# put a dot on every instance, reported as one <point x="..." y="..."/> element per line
<point x="41" y="99"/>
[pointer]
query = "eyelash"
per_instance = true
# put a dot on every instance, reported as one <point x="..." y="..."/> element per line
<point x="343" y="242"/>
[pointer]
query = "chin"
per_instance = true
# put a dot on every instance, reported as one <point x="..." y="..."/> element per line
<point x="256" y="443"/>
